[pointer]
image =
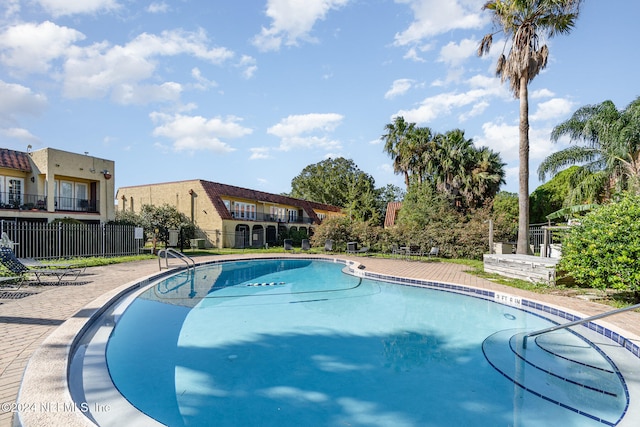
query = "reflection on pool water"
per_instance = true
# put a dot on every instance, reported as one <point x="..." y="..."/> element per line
<point x="298" y="342"/>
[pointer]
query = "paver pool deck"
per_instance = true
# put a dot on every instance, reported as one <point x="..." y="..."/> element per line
<point x="26" y="322"/>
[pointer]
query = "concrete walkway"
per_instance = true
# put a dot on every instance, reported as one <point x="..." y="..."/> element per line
<point x="27" y="321"/>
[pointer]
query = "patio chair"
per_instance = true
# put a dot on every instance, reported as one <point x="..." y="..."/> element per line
<point x="434" y="252"/>
<point x="9" y="260"/>
<point x="414" y="250"/>
<point x="396" y="250"/>
<point x="328" y="245"/>
<point x="288" y="245"/>
<point x="305" y="245"/>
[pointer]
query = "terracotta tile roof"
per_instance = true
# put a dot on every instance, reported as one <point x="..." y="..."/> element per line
<point x="392" y="213"/>
<point x="17" y="160"/>
<point x="216" y="191"/>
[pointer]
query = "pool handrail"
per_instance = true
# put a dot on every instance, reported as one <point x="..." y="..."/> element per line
<point x="175" y="254"/>
<point x="577" y="322"/>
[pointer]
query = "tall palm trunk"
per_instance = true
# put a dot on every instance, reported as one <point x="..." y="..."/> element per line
<point x="523" y="188"/>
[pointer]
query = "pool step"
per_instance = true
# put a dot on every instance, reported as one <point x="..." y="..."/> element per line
<point x="561" y="368"/>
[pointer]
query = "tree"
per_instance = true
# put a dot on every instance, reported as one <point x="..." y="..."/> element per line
<point x="603" y="251"/>
<point x="505" y="212"/>
<point x="397" y="143"/>
<point x="471" y="176"/>
<point x="339" y="182"/>
<point x="607" y="150"/>
<point x="127" y="218"/>
<point x="162" y="219"/>
<point x="523" y="22"/>
<point x="552" y="196"/>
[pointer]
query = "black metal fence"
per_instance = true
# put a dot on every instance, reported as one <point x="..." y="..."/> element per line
<point x="61" y="240"/>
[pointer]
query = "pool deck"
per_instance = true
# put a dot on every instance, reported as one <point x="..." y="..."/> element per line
<point x="26" y="322"/>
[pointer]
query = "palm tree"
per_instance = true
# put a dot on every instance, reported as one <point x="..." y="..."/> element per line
<point x="523" y="21"/>
<point x="471" y="176"/>
<point x="609" y="153"/>
<point x="397" y="145"/>
<point x="486" y="174"/>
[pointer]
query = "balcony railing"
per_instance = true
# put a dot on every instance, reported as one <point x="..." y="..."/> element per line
<point x="23" y="201"/>
<point x="74" y="204"/>
<point x="38" y="202"/>
<point x="266" y="217"/>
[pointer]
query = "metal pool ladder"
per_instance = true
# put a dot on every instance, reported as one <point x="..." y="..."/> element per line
<point x="576" y="322"/>
<point x="164" y="253"/>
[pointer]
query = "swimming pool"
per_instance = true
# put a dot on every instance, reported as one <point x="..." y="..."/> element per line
<point x="291" y="342"/>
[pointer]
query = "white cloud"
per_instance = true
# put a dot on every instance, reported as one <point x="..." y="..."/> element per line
<point x="454" y="54"/>
<point x="477" y="109"/>
<point x="399" y="87"/>
<point x="248" y="66"/>
<point x="158" y="7"/>
<point x="12" y="8"/>
<point x="194" y="133"/>
<point x="505" y="139"/>
<point x="144" y="94"/>
<point x="72" y="7"/>
<point x="18" y="99"/>
<point x="202" y="82"/>
<point x="31" y="47"/>
<point x="292" y="21"/>
<point x="20" y="134"/>
<point x="99" y="69"/>
<point x="474" y="101"/>
<point x="307" y="131"/>
<point x="541" y="93"/>
<point x="260" y="153"/>
<point x="552" y="110"/>
<point x="433" y="17"/>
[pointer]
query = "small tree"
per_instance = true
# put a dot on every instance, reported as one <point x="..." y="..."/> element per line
<point x="162" y="219"/>
<point x="603" y="251"/>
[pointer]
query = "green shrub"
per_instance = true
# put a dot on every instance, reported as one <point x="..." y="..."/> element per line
<point x="603" y="251"/>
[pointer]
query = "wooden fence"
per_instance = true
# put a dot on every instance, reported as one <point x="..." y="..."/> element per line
<point x="60" y="240"/>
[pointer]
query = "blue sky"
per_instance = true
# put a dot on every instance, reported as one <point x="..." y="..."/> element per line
<point x="250" y="92"/>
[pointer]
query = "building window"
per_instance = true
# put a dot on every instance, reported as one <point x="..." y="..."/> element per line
<point x="14" y="196"/>
<point x="245" y="211"/>
<point x="278" y="214"/>
<point x="293" y="215"/>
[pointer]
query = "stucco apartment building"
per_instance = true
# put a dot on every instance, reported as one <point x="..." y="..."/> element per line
<point x="229" y="216"/>
<point x="49" y="184"/>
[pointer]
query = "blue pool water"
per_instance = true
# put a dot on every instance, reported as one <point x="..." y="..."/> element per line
<point x="298" y="342"/>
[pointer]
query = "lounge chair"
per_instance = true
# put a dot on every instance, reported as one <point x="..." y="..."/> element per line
<point x="34" y="263"/>
<point x="12" y="281"/>
<point x="328" y="245"/>
<point x="288" y="245"/>
<point x="305" y="245"/>
<point x="362" y="250"/>
<point x="9" y="260"/>
<point x="434" y="252"/>
<point x="352" y="247"/>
